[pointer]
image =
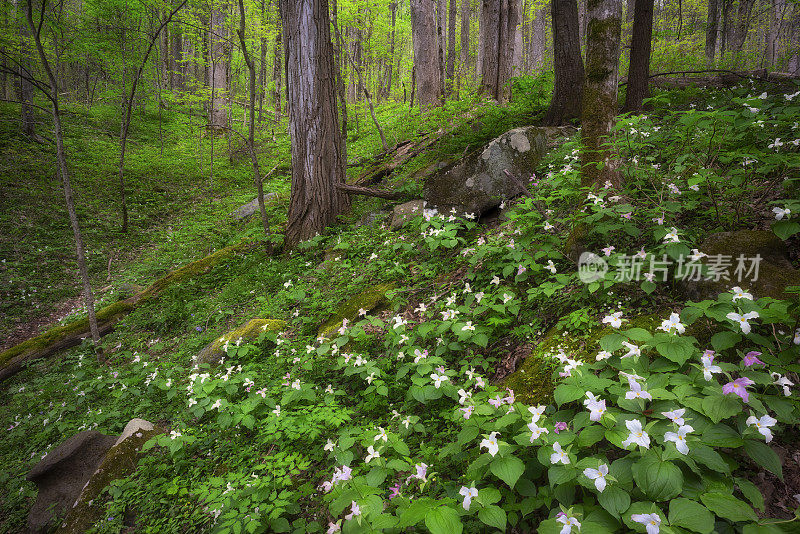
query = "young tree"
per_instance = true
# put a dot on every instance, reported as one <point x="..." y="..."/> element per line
<point x="219" y="65"/>
<point x="567" y="99"/>
<point x="426" y="52"/>
<point x="639" y="71"/>
<point x="600" y="91"/>
<point x="317" y="165"/>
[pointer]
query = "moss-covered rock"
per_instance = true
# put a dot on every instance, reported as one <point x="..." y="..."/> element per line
<point x="119" y="461"/>
<point x="405" y="212"/>
<point x="481" y="181"/>
<point x="775" y="271"/>
<point x="214" y="352"/>
<point x="369" y="300"/>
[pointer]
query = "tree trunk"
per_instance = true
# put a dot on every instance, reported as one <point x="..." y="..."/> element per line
<point x="538" y="39"/>
<point x="390" y="62"/>
<point x="771" y="41"/>
<point x="742" y="25"/>
<point x="317" y="164"/>
<point x="178" y="65"/>
<point x="88" y="296"/>
<point x="426" y="53"/>
<point x="465" y="12"/>
<point x="277" y="69"/>
<point x="581" y="23"/>
<point x="598" y="163"/>
<point x="639" y="72"/>
<point x="567" y="99"/>
<point x="262" y="70"/>
<point x="712" y="27"/>
<point x="451" y="45"/>
<point x="441" y="37"/>
<point x="25" y="87"/>
<point x="219" y="78"/>
<point x="501" y="20"/>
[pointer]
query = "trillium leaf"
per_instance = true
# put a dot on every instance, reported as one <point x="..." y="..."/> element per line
<point x="751" y="492"/>
<point x="591" y="435"/>
<point x="676" y="349"/>
<point x="709" y="457"/>
<point x="690" y="514"/>
<point x="718" y="407"/>
<point x="725" y="340"/>
<point x="487" y="496"/>
<point x="508" y="469"/>
<point x="565" y="393"/>
<point x="494" y="516"/>
<point x="638" y="334"/>
<point x="659" y="480"/>
<point x="443" y="520"/>
<point x="721" y="435"/>
<point x="612" y="342"/>
<point x="728" y="507"/>
<point x="763" y="455"/>
<point x="614" y="499"/>
<point x="785" y="229"/>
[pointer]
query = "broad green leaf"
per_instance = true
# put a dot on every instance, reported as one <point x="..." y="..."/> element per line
<point x="728" y="507"/>
<point x="721" y="435"/>
<point x="763" y="455"/>
<point x="508" y="469"/>
<point x="565" y="393"/>
<point x="785" y="229"/>
<point x="591" y="435"/>
<point x="691" y="515"/>
<point x="718" y="407"/>
<point x="709" y="457"/>
<point x="416" y="512"/>
<point x="725" y="340"/>
<point x="443" y="520"/>
<point x="638" y="334"/>
<point x="487" y="496"/>
<point x="659" y="480"/>
<point x="751" y="492"/>
<point x="614" y="499"/>
<point x="677" y="349"/>
<point x="494" y="516"/>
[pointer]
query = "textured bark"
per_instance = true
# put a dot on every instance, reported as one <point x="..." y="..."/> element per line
<point x="451" y="45"/>
<point x="317" y="164"/>
<point x="219" y="67"/>
<point x="465" y="12"/>
<point x="742" y="25"/>
<point x="568" y="88"/>
<point x="712" y="27"/>
<point x="63" y="170"/>
<point x="277" y="69"/>
<point x="178" y="67"/>
<point x="537" y="43"/>
<point x="771" y="38"/>
<point x="441" y="37"/>
<point x="390" y="62"/>
<point x="499" y="54"/>
<point x="426" y="53"/>
<point x="639" y="72"/>
<point x="600" y="91"/>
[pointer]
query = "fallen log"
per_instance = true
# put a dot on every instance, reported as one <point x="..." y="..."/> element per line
<point x="366" y="191"/>
<point x="63" y="337"/>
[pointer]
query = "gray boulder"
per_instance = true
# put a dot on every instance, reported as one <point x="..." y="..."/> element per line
<point x="62" y="474"/>
<point x="479" y="181"/>
<point x="244" y="212"/>
<point x="405" y="212"/>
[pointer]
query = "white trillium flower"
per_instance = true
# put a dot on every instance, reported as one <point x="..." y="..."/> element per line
<point x="558" y="456"/>
<point x="598" y="475"/>
<point x="372" y="454"/>
<point x="615" y="319"/>
<point x="679" y="438"/>
<point x="536" y="412"/>
<point x="438" y="379"/>
<point x="672" y="236"/>
<point x="329" y="446"/>
<point x="550" y="266"/>
<point x="780" y="213"/>
<point x="381" y="434"/>
<point x="739" y="293"/>
<point x="536" y="430"/>
<point x="783" y="382"/>
<point x="568" y="522"/>
<point x="674" y="322"/>
<point x="762" y="425"/>
<point x="603" y="355"/>
<point x="637" y="434"/>
<point x="597" y="407"/>
<point x="464" y="396"/>
<point x="742" y="319"/>
<point x="468" y="326"/>
<point x="490" y="442"/>
<point x="469" y="494"/>
<point x="708" y="368"/>
<point x="633" y="350"/>
<point x="650" y="521"/>
<point x="636" y="391"/>
<point x="676" y="416"/>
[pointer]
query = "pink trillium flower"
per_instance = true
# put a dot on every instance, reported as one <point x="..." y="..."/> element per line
<point x="395" y="491"/>
<point x="496" y="402"/>
<point x="751" y="358"/>
<point x="738" y="387"/>
<point x="559" y="426"/>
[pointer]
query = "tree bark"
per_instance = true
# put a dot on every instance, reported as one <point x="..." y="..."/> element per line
<point x="317" y="164"/>
<point x="771" y="39"/>
<point x="390" y="62"/>
<point x="451" y="45"/>
<point x="465" y="12"/>
<point x="501" y="20"/>
<point x="426" y="53"/>
<point x="277" y="69"/>
<point x="219" y="78"/>
<point x="712" y="27"/>
<point x="567" y="99"/>
<point x="742" y="25"/>
<point x="639" y="72"/>
<point x="538" y="38"/>
<point x="61" y="158"/>
<point x="598" y="163"/>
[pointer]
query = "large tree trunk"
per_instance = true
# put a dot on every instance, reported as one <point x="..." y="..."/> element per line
<point x="598" y="163"/>
<point x="712" y="27"/>
<point x="426" y="53"/>
<point x="390" y="63"/>
<point x="465" y="12"/>
<point x="567" y="97"/>
<point x="317" y="164"/>
<point x="451" y="45"/>
<point x="771" y="38"/>
<point x="61" y="158"/>
<point x="742" y="25"/>
<point x="219" y="67"/>
<point x="501" y="20"/>
<point x="277" y="69"/>
<point x="639" y="72"/>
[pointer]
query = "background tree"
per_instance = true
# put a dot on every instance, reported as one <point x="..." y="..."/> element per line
<point x="317" y="164"/>
<point x="500" y="19"/>
<point x="567" y="98"/>
<point x="426" y="52"/>
<point x="639" y="70"/>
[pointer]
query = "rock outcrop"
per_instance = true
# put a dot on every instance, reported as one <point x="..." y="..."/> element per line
<point x="214" y="352"/>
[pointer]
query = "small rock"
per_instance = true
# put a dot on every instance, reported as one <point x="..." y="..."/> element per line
<point x="405" y="212"/>
<point x="213" y="353"/>
<point x="368" y="300"/>
<point x="244" y="212"/>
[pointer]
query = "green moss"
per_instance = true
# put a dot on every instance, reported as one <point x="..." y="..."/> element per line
<point x="250" y="331"/>
<point x="369" y="300"/>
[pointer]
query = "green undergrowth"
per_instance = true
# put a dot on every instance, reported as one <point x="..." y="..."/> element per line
<point x="392" y="422"/>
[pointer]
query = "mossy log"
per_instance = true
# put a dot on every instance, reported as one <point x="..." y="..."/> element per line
<point x="63" y="337"/>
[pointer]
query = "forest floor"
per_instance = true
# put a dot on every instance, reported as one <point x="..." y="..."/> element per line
<point x="434" y="310"/>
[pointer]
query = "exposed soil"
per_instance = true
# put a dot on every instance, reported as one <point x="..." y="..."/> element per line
<point x="779" y="497"/>
<point x="32" y="327"/>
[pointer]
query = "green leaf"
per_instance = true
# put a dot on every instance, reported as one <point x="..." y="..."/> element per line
<point x="558" y="474"/>
<point x="591" y="435"/>
<point x="785" y="229"/>
<point x="721" y="435"/>
<point x="751" y="492"/>
<point x="443" y="520"/>
<point x="487" y="496"/>
<point x="709" y="457"/>
<point x="725" y="340"/>
<point x="614" y="499"/>
<point x="763" y="455"/>
<point x="659" y="480"/>
<point x="494" y="516"/>
<point x="718" y="407"/>
<point x="416" y="511"/>
<point x="565" y="393"/>
<point x="675" y="348"/>
<point x="728" y="507"/>
<point x="638" y="334"/>
<point x="691" y="515"/>
<point x="612" y="342"/>
<point x="508" y="469"/>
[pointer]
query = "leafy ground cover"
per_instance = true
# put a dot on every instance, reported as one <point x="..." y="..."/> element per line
<point x="636" y="409"/>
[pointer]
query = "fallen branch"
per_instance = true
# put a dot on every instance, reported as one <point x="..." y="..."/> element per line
<point x="366" y="191"/>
